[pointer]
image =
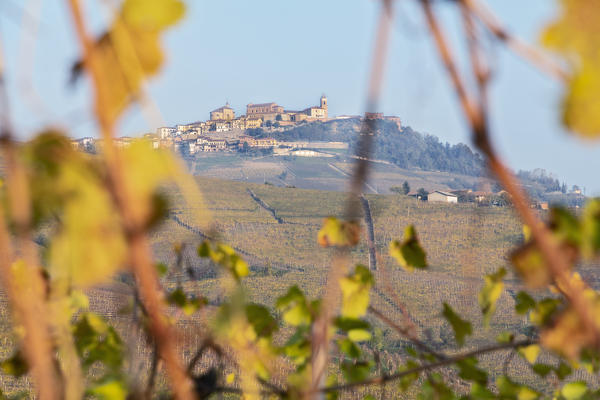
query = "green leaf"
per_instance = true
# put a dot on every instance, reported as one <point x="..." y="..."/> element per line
<point x="563" y="370"/>
<point x="542" y="369"/>
<point x="490" y="293"/>
<point x="505" y="337"/>
<point x="511" y="390"/>
<point x="407" y="380"/>
<point x="409" y="253"/>
<point x="262" y="321"/>
<point x="349" y="348"/>
<point x="294" y="307"/>
<point x="468" y="370"/>
<point x="481" y="392"/>
<point x="226" y="257"/>
<point x="15" y="366"/>
<point x="355" y="292"/>
<point x="574" y="390"/>
<point x="162" y="269"/>
<point x="356" y="371"/>
<point x="590" y="228"/>
<point x="523" y="303"/>
<point x="544" y="311"/>
<point x="461" y="327"/>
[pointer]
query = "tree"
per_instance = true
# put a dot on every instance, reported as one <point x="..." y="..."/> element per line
<point x="405" y="188"/>
<point x="422" y="194"/>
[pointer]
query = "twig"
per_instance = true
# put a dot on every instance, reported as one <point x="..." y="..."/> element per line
<point x="557" y="262"/>
<point x="536" y="57"/>
<point x="25" y="290"/>
<point x="139" y="250"/>
<point x="320" y="333"/>
<point x="427" y="367"/>
<point x="406" y="333"/>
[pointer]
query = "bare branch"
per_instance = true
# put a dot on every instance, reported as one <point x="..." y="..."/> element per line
<point x="556" y="261"/>
<point x="428" y="367"/>
<point x="535" y="56"/>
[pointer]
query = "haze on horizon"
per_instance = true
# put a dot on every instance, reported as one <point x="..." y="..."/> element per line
<point x="244" y="52"/>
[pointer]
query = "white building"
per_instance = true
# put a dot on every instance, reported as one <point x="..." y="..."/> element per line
<point x="166" y="132"/>
<point x="444" y="197"/>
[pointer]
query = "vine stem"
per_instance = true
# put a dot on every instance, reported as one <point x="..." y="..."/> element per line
<point x="428" y="367"/>
<point x="25" y="286"/>
<point x="557" y="262"/>
<point x="146" y="276"/>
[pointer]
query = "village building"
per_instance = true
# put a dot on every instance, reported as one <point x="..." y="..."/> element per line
<point x="166" y="132"/>
<point x="439" y="196"/>
<point x="225" y="113"/>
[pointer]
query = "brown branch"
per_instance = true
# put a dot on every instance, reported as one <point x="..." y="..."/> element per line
<point x="406" y="333"/>
<point x="532" y="54"/>
<point x="427" y="367"/>
<point x="139" y="250"/>
<point x="556" y="261"/>
<point x="320" y="333"/>
<point x="25" y="287"/>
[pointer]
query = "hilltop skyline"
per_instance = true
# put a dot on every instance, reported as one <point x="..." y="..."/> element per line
<point x="240" y="53"/>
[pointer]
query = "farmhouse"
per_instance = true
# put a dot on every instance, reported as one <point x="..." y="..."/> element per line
<point x="444" y="197"/>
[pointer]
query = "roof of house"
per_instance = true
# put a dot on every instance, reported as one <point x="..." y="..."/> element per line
<point x="445" y="193"/>
<point x="225" y="107"/>
<point x="261" y="105"/>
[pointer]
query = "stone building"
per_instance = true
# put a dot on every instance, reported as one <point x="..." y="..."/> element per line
<point x="225" y="113"/>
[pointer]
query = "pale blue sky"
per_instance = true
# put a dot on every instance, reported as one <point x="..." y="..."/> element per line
<point x="291" y="52"/>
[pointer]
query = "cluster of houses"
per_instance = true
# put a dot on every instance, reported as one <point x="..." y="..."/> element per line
<point x="501" y="198"/>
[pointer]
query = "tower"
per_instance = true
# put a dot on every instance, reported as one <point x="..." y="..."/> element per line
<point x="324" y="102"/>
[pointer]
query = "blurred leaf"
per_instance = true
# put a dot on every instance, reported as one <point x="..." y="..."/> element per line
<point x="225" y="256"/>
<point x="336" y="233"/>
<point x="544" y="311"/>
<point x="505" y="337"/>
<point x="461" y="327"/>
<point x="407" y="380"/>
<point x="349" y="348"/>
<point x="261" y="320"/>
<point x="530" y="353"/>
<point x="15" y="366"/>
<point x="575" y="36"/>
<point x="468" y="370"/>
<point x="530" y="265"/>
<point x="574" y="390"/>
<point x="355" y="292"/>
<point x="409" y="253"/>
<point x="511" y="390"/>
<point x="295" y="309"/>
<point x="152" y="14"/>
<point x="356" y="371"/>
<point x="109" y="390"/>
<point x="542" y="369"/>
<point x="523" y="303"/>
<point x="568" y="336"/>
<point x="590" y="228"/>
<point x="490" y="293"/>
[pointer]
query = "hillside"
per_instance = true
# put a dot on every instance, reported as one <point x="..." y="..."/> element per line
<point x="404" y="147"/>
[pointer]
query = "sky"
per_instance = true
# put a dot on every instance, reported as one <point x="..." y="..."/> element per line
<point x="291" y="52"/>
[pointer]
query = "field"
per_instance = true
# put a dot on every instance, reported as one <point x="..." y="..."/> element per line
<point x="276" y="233"/>
<point x="321" y="173"/>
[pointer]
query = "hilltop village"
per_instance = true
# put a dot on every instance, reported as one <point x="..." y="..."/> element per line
<point x="226" y="132"/>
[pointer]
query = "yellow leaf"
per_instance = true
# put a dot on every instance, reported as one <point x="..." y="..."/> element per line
<point x="575" y="35"/>
<point x="530" y="353"/>
<point x="355" y="292"/>
<point x="338" y="233"/>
